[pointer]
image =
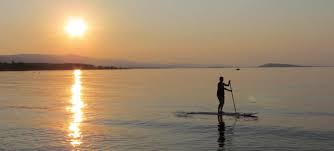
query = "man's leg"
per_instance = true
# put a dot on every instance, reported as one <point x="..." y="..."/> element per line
<point x="222" y="102"/>
<point x="219" y="108"/>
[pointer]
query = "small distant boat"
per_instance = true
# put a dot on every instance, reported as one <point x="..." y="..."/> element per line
<point x="237" y="69"/>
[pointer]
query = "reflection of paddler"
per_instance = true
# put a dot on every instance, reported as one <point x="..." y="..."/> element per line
<point x="221" y="93"/>
<point x="221" y="131"/>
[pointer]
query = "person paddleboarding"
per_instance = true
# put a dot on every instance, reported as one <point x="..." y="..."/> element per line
<point x="221" y="93"/>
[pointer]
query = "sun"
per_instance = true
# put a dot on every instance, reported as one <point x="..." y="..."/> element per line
<point x="76" y="27"/>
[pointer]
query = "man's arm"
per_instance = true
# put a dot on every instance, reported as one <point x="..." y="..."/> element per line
<point x="227" y="89"/>
<point x="229" y="83"/>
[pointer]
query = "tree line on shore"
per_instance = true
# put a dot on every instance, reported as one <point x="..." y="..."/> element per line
<point x="20" y="66"/>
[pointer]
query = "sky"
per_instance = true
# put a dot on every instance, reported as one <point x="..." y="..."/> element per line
<point x="230" y="32"/>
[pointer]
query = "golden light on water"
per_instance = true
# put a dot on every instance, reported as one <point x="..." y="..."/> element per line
<point x="76" y="109"/>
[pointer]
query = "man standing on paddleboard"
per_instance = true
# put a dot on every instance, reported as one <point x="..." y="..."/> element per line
<point x="221" y="93"/>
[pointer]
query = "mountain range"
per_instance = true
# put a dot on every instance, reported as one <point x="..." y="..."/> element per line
<point x="270" y="65"/>
<point x="77" y="59"/>
<point x="45" y="58"/>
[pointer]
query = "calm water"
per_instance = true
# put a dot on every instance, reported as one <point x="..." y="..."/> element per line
<point x="136" y="110"/>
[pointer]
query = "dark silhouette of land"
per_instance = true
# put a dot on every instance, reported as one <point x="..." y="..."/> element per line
<point x="77" y="59"/>
<point x="19" y="66"/>
<point x="280" y="65"/>
<point x="61" y="59"/>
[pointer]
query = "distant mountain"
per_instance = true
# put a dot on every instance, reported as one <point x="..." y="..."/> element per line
<point x="43" y="58"/>
<point x="279" y="65"/>
<point x="50" y="66"/>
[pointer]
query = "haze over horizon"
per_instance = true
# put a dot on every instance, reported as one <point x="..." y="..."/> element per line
<point x="238" y="32"/>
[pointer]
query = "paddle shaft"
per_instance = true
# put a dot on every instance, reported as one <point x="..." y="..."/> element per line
<point x="235" y="109"/>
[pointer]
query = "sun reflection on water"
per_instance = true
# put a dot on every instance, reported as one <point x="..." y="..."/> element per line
<point x="76" y="109"/>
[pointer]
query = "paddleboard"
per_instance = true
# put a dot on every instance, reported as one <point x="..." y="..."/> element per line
<point x="238" y="114"/>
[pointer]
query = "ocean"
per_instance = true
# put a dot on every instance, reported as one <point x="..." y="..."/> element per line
<point x="138" y="109"/>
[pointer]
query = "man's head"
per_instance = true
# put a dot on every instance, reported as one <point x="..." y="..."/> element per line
<point x="221" y="79"/>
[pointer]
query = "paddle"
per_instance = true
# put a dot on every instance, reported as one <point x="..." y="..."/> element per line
<point x="235" y="109"/>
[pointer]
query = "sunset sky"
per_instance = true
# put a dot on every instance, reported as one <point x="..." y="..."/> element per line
<point x="232" y="32"/>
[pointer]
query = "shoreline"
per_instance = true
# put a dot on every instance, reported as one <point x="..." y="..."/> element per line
<point x="51" y="66"/>
<point x="14" y="66"/>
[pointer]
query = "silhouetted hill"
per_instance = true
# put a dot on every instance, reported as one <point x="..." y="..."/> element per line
<point x="279" y="65"/>
<point x="60" y="59"/>
<point x="42" y="58"/>
<point x="48" y="66"/>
